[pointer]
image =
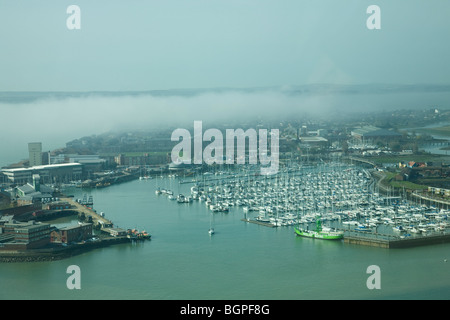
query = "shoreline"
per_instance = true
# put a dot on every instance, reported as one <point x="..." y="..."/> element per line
<point x="58" y="253"/>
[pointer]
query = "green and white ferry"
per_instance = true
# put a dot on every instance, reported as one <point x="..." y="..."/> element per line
<point x="320" y="233"/>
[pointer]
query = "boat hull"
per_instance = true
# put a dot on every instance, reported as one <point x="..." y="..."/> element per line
<point x="319" y="235"/>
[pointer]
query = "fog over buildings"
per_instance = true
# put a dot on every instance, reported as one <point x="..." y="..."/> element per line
<point x="264" y="52"/>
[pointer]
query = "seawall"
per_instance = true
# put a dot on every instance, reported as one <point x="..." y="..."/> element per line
<point x="57" y="253"/>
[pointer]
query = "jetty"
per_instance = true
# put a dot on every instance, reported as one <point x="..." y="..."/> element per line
<point x="261" y="223"/>
<point x="97" y="219"/>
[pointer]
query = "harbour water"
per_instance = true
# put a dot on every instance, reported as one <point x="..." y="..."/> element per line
<point x="240" y="261"/>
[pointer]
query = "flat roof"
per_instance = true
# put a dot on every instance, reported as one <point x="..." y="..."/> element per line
<point x="47" y="166"/>
<point x="368" y="131"/>
<point x="26" y="225"/>
<point x="75" y="226"/>
<point x="313" y="139"/>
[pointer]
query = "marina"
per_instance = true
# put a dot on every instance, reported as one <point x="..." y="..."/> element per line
<point x="215" y="158"/>
<point x="183" y="260"/>
<point x="341" y="196"/>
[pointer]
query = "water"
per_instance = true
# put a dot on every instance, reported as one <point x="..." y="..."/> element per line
<point x="433" y="149"/>
<point x="241" y="261"/>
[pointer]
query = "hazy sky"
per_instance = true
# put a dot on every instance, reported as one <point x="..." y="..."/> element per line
<point x="155" y="44"/>
<point x="169" y="44"/>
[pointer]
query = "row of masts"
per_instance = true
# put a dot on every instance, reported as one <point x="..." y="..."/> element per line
<point x="331" y="192"/>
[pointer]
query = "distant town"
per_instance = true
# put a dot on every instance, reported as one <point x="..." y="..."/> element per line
<point x="394" y="144"/>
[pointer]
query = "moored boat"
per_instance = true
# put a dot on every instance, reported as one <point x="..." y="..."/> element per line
<point x="319" y="233"/>
<point x="363" y="228"/>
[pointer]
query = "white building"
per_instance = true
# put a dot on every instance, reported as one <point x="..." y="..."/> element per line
<point x="54" y="173"/>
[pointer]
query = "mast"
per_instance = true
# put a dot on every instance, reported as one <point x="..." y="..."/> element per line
<point x="318" y="225"/>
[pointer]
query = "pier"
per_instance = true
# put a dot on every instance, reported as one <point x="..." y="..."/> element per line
<point x="96" y="218"/>
<point x="261" y="223"/>
<point x="372" y="242"/>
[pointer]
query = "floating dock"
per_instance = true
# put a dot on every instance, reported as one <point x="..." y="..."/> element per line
<point x="261" y="223"/>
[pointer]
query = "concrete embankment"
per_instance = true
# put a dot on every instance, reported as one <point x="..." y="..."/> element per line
<point x="58" y="252"/>
<point x="407" y="242"/>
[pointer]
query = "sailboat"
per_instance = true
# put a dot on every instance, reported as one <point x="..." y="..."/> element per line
<point x="319" y="233"/>
<point x="158" y="189"/>
<point x="211" y="229"/>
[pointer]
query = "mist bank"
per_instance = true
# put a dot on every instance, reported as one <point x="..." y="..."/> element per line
<point x="309" y="89"/>
<point x="55" y="118"/>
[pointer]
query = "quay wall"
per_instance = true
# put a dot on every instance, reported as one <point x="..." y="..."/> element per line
<point x="398" y="243"/>
<point x="52" y="254"/>
<point x="367" y="242"/>
<point x="419" y="241"/>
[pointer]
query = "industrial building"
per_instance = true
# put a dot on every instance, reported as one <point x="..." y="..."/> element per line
<point x="35" y="192"/>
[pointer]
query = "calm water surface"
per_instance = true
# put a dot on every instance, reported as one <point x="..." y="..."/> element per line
<point x="241" y="261"/>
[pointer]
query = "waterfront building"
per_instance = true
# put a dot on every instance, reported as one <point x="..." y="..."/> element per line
<point x="49" y="174"/>
<point x="116" y="232"/>
<point x="24" y="235"/>
<point x="21" y="211"/>
<point x="57" y="205"/>
<point x="35" y="153"/>
<point x="141" y="158"/>
<point x="70" y="234"/>
<point x="90" y="163"/>
<point x="180" y="166"/>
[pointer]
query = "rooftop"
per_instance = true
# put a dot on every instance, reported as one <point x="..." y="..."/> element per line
<point x="48" y="166"/>
<point x="75" y="226"/>
<point x="371" y="131"/>
<point x="313" y="139"/>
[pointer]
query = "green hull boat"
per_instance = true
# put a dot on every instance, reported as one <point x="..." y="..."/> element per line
<point x="319" y="233"/>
